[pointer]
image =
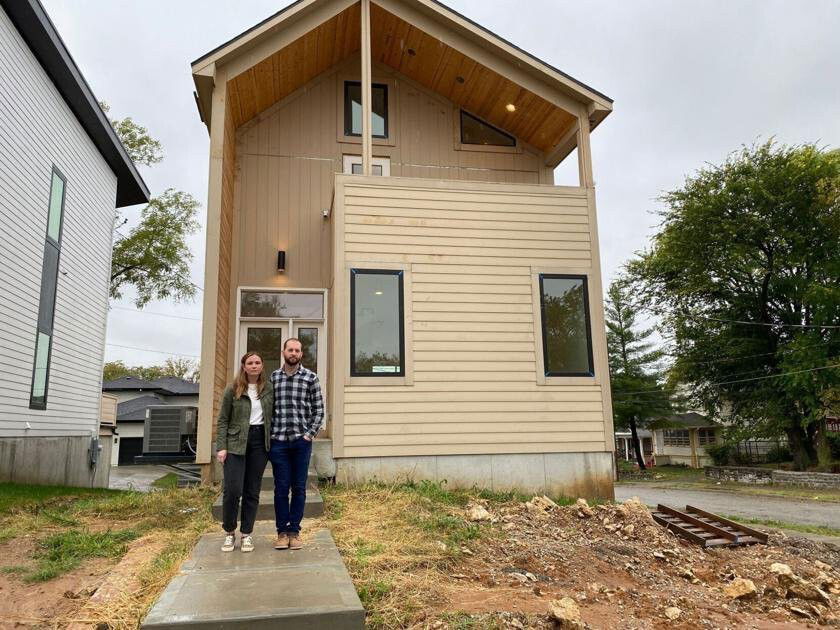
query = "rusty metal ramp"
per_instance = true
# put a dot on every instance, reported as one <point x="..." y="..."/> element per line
<point x="707" y="529"/>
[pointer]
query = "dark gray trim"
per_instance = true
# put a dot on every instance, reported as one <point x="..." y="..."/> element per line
<point x="34" y="25"/>
<point x="401" y="306"/>
<point x="348" y="112"/>
<point x="442" y="6"/>
<point x="486" y="124"/>
<point x="585" y="286"/>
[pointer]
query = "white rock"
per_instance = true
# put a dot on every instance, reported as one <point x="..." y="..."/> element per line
<point x="673" y="613"/>
<point x="740" y="588"/>
<point x="566" y="613"/>
<point x="478" y="513"/>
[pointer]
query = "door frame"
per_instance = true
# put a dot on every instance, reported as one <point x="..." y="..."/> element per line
<point x="290" y="323"/>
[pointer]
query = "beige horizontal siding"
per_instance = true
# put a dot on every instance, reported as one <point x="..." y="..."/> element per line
<point x="471" y="251"/>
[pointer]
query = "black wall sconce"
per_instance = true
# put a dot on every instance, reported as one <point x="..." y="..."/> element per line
<point x="281" y="261"/>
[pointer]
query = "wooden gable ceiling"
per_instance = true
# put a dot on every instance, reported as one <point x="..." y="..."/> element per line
<point x="412" y="52"/>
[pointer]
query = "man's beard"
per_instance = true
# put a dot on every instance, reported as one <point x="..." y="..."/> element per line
<point x="292" y="360"/>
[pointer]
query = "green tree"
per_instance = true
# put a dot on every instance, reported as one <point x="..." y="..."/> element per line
<point x="179" y="367"/>
<point x="640" y="395"/>
<point x="153" y="257"/>
<point x="744" y="272"/>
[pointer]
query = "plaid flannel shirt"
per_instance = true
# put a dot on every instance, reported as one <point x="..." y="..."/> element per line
<point x="298" y="405"/>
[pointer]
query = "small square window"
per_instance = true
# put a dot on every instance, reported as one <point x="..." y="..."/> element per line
<point x="353" y="109"/>
<point x="476" y="131"/>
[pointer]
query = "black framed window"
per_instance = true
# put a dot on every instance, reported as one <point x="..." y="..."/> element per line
<point x="476" y="131"/>
<point x="377" y="330"/>
<point x="566" y="330"/>
<point x="49" y="284"/>
<point x="353" y="109"/>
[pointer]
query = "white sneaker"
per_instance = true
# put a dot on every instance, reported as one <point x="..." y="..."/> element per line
<point x="247" y="543"/>
<point x="230" y="543"/>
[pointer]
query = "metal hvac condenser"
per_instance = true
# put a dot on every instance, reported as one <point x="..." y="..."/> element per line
<point x="170" y="431"/>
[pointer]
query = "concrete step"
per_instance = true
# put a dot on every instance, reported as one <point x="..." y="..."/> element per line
<point x="265" y="512"/>
<point x="268" y="479"/>
<point x="307" y="589"/>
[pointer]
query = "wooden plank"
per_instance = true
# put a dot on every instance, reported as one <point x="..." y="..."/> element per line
<point x="719" y="531"/>
<point x="755" y="533"/>
<point x="678" y="529"/>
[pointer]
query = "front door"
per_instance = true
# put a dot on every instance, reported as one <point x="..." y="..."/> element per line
<point x="266" y="339"/>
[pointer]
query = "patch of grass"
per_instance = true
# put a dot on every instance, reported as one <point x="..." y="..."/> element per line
<point x="14" y="570"/>
<point x="63" y="552"/>
<point x="169" y="480"/>
<point x="464" y="621"/>
<point x="799" y="527"/>
<point x="21" y="496"/>
<point x="453" y="529"/>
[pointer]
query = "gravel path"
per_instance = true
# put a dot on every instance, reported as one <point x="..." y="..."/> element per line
<point x="721" y="502"/>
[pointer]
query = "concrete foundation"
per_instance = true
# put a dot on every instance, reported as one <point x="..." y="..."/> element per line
<point x="61" y="461"/>
<point x="587" y="475"/>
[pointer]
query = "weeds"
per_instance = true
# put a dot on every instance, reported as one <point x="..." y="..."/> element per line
<point x="63" y="552"/>
<point x="169" y="480"/>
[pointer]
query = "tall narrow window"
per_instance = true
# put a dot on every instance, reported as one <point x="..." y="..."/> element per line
<point x="377" y="334"/>
<point x="49" y="283"/>
<point x="567" y="339"/>
<point x="353" y="109"/>
<point x="476" y="131"/>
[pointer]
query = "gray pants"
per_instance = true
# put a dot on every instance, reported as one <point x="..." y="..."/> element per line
<point x="243" y="478"/>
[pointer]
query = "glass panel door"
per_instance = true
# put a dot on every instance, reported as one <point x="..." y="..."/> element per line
<point x="267" y="341"/>
<point x="308" y="336"/>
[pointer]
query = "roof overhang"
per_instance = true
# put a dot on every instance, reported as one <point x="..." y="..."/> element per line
<point x="549" y="103"/>
<point x="34" y="25"/>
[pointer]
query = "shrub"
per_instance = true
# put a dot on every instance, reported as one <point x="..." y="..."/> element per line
<point x="721" y="454"/>
<point x="779" y="453"/>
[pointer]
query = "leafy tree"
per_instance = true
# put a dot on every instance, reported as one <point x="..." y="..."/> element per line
<point x="744" y="271"/>
<point x="640" y="396"/>
<point x="186" y="369"/>
<point x="153" y="257"/>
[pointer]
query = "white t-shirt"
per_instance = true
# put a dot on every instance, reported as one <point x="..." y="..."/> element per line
<point x="256" y="406"/>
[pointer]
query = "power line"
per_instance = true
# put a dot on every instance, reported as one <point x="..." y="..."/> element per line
<point x="136" y="310"/>
<point x="177" y="354"/>
<point x="740" y="321"/>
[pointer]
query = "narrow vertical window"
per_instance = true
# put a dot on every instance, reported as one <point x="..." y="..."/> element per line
<point x="49" y="285"/>
<point x="377" y="334"/>
<point x="353" y="109"/>
<point x="567" y="339"/>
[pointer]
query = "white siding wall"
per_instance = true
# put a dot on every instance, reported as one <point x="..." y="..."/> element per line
<point x="38" y="130"/>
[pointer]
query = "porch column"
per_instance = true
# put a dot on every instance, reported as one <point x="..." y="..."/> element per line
<point x="584" y="153"/>
<point x="367" y="91"/>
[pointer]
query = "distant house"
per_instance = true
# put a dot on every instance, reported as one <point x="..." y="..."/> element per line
<point x="134" y="396"/>
<point x="685" y="441"/>
<point x="62" y="172"/>
<point x="624" y="445"/>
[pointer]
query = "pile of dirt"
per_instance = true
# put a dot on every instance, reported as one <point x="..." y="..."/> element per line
<point x="614" y="566"/>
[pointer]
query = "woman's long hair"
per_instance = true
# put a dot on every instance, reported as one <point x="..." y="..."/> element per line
<point x="240" y="384"/>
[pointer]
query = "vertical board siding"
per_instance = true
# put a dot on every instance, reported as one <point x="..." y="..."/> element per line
<point x="38" y="130"/>
<point x="472" y="251"/>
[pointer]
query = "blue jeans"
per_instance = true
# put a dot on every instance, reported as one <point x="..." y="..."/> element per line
<point x="290" y="465"/>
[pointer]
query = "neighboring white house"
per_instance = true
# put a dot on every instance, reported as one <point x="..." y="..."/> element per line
<point x="624" y="445"/>
<point x="685" y="441"/>
<point x="62" y="172"/>
<point x="134" y="397"/>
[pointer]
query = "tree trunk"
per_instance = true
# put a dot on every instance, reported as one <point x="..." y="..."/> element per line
<point x="637" y="448"/>
<point x="799" y="443"/>
<point x="822" y="447"/>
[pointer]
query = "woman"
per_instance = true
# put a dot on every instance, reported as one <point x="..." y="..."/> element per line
<point x="242" y="443"/>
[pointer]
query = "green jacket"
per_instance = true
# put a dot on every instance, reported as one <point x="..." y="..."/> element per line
<point x="234" y="420"/>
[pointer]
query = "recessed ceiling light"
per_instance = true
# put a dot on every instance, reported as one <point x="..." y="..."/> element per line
<point x="377" y="292"/>
<point x="510" y="107"/>
<point x="411" y="52"/>
<point x="459" y="79"/>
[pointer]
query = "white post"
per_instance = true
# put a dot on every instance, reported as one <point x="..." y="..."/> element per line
<point x="367" y="91"/>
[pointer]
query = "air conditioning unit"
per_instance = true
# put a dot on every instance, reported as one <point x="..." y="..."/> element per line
<point x="170" y="430"/>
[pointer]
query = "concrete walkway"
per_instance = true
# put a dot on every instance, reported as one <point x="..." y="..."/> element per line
<point x="305" y="589"/>
<point x="137" y="477"/>
<point x="730" y="503"/>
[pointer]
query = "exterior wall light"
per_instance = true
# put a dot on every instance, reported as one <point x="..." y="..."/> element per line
<point x="281" y="261"/>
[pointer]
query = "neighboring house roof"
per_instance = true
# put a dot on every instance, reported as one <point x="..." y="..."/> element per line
<point x="34" y="25"/>
<point x="169" y="385"/>
<point x="642" y="433"/>
<point x="135" y="409"/>
<point x="690" y="420"/>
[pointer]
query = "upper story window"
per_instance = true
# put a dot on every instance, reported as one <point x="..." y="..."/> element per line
<point x="353" y="109"/>
<point x="567" y="337"/>
<point x="476" y="131"/>
<point x="49" y="284"/>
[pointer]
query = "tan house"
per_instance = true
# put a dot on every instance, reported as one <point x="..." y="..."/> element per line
<point x="685" y="440"/>
<point x="381" y="186"/>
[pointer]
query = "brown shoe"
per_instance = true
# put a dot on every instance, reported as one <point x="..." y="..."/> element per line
<point x="282" y="542"/>
<point x="295" y="542"/>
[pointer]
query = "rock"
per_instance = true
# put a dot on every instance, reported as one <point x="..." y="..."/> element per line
<point x="441" y="545"/>
<point x="566" y="613"/>
<point x="800" y="612"/>
<point x="519" y="576"/>
<point x="822" y="565"/>
<point x="540" y="505"/>
<point x="673" y="613"/>
<point x="628" y="530"/>
<point x="797" y="587"/>
<point x="658" y="555"/>
<point x="531" y="576"/>
<point x="740" y="588"/>
<point x="780" y="569"/>
<point x="583" y="509"/>
<point x="478" y="513"/>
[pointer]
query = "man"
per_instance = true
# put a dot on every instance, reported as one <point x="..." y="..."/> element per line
<point x="298" y="415"/>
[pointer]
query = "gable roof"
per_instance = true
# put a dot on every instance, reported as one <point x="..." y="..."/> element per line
<point x="34" y="25"/>
<point x="135" y="409"/>
<point x="690" y="420"/>
<point x="168" y="385"/>
<point x="423" y="39"/>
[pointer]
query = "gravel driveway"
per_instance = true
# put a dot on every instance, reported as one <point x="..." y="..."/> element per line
<point x="721" y="502"/>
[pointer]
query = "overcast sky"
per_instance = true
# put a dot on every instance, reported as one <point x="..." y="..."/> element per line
<point x="691" y="83"/>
